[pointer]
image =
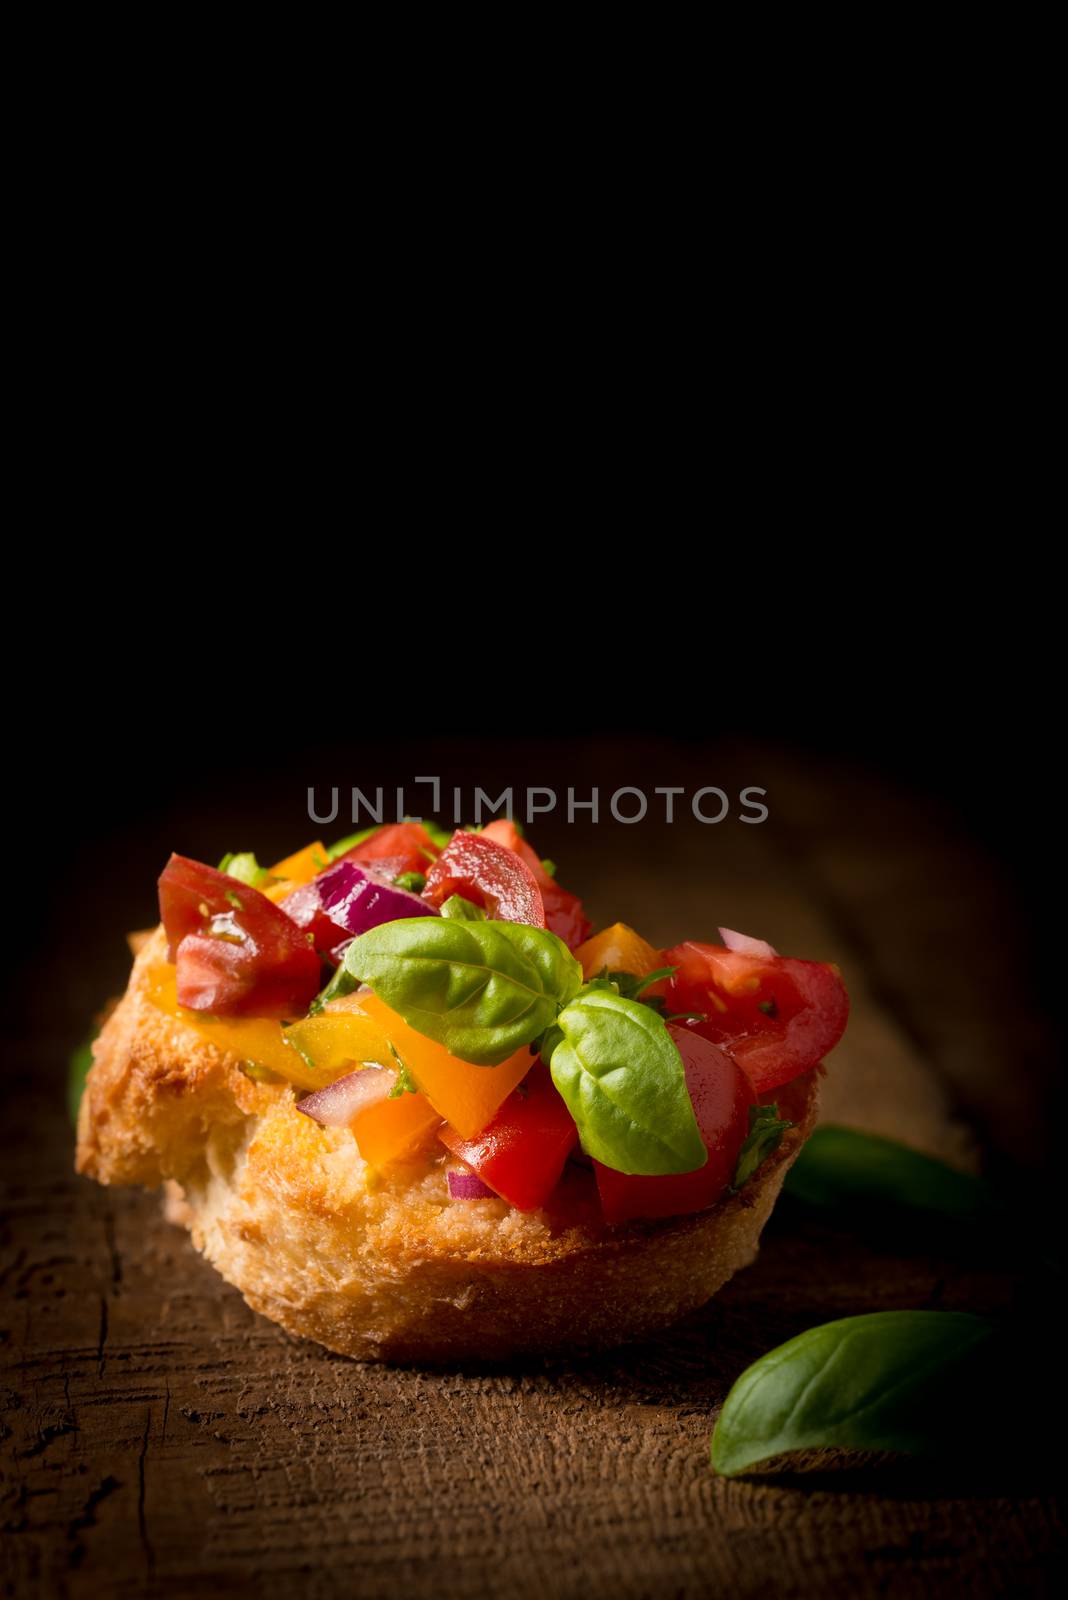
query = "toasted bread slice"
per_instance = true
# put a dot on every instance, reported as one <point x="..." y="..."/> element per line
<point x="387" y="1267"/>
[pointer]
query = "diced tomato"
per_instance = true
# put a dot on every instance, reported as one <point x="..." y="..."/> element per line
<point x="489" y="875"/>
<point x="306" y="909"/>
<point x="618" y="949"/>
<point x="236" y="954"/>
<point x="521" y="1153"/>
<point x="721" y="1097"/>
<point x="564" y="915"/>
<point x="777" y="1017"/>
<point x="407" y="845"/>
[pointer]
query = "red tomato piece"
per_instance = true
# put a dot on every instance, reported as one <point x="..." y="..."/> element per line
<point x="564" y="915"/>
<point x="721" y="1097"/>
<point x="777" y="1017"/>
<point x="405" y="846"/>
<point x="484" y="872"/>
<point x="236" y="953"/>
<point x="305" y="907"/>
<point x="521" y="1153"/>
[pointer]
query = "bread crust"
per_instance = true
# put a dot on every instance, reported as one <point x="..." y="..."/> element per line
<point x="388" y="1269"/>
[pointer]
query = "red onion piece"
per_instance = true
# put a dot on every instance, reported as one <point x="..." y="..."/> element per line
<point x="356" y="897"/>
<point x="341" y="1101"/>
<point x="467" y="1185"/>
<point x="743" y="945"/>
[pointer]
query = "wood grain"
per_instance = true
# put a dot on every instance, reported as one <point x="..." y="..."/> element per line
<point x="158" y="1438"/>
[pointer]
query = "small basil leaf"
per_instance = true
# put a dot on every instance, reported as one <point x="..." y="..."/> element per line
<point x="461" y="910"/>
<point x="77" y="1072"/>
<point x="622" y="1079"/>
<point x="766" y="1129"/>
<point x="481" y="989"/>
<point x="245" y="868"/>
<point x="892" y="1380"/>
<point x="845" y="1167"/>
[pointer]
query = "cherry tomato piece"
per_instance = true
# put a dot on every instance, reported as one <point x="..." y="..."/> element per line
<point x="721" y="1097"/>
<point x="564" y="915"/>
<point x="489" y="875"/>
<point x="521" y="1153"/>
<point x="778" y="1017"/>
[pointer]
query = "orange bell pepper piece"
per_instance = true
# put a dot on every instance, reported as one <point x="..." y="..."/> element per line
<point x="361" y="1027"/>
<point x="619" y="949"/>
<point x="395" y="1129"/>
<point x="297" y="869"/>
<point x="468" y="1097"/>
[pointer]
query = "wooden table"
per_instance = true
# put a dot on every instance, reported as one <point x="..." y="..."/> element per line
<point x="157" y="1437"/>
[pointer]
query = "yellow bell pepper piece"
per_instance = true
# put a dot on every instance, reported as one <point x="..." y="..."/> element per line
<point x="619" y="949"/>
<point x="255" y="1039"/>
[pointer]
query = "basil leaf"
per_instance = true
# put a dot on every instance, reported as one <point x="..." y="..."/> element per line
<point x="766" y="1129"/>
<point x="893" y="1380"/>
<point x="245" y="868"/>
<point x="482" y="989"/>
<point x="621" y="1076"/>
<point x="77" y="1072"/>
<point x="845" y="1167"/>
<point x="461" y="910"/>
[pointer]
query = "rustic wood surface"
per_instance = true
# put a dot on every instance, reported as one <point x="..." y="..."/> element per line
<point x="158" y="1437"/>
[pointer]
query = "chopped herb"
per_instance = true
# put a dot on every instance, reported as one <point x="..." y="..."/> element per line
<point x="549" y="868"/>
<point x="769" y="1008"/>
<point x="766" y="1129"/>
<point x="414" y="881"/>
<point x="234" y="899"/>
<point x="405" y="1083"/>
<point x="245" y="868"/>
<point x="258" y="1074"/>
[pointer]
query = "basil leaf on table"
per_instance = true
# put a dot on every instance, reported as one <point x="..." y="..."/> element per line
<point x="481" y="989"/>
<point x="845" y="1167"/>
<point x="622" y="1079"/>
<point x="892" y="1380"/>
<point x="766" y="1129"/>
